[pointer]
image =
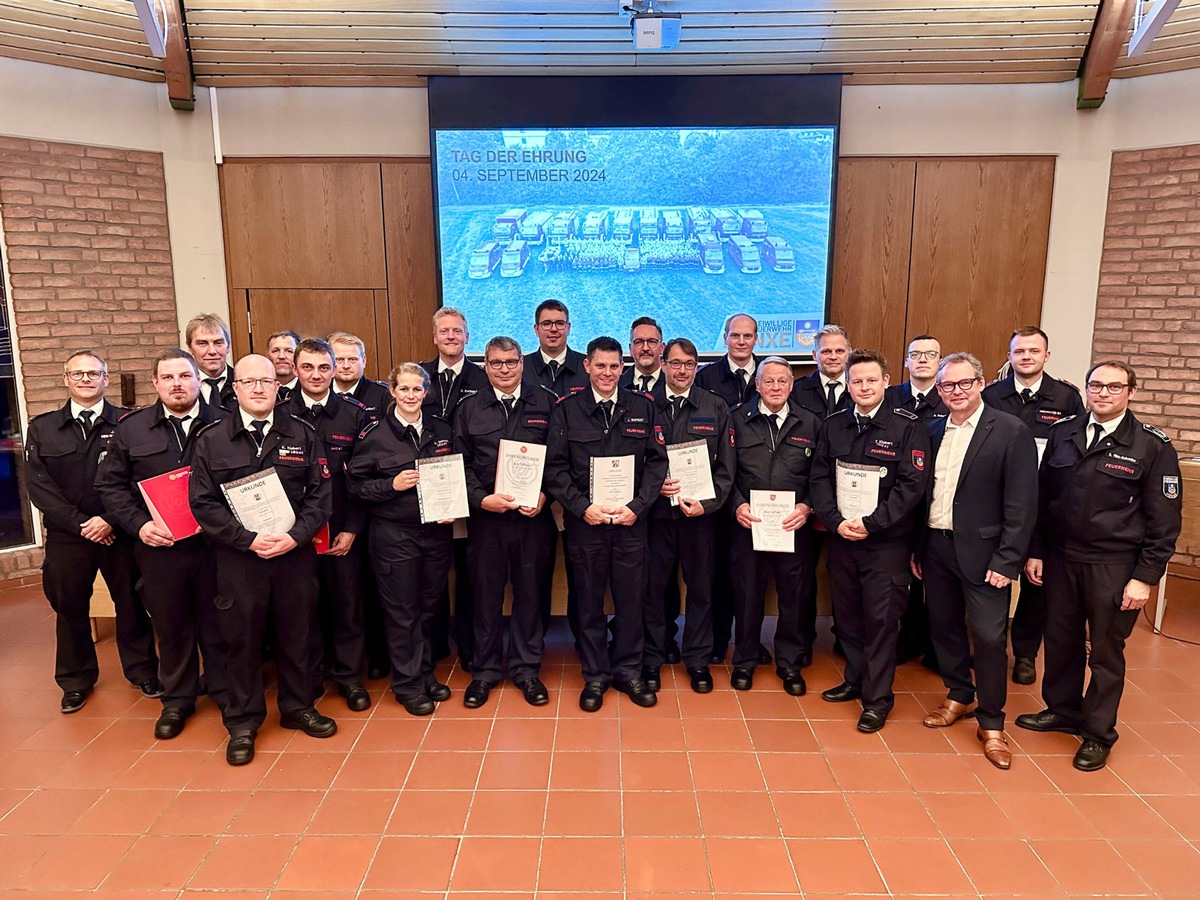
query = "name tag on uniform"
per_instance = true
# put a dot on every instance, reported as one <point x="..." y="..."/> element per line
<point x="290" y="452"/>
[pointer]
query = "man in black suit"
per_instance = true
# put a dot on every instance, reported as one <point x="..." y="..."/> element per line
<point x="1039" y="400"/>
<point x="823" y="392"/>
<point x="206" y="337"/>
<point x="453" y="378"/>
<point x="553" y="364"/>
<point x="281" y="350"/>
<point x="982" y="509"/>
<point x="646" y="348"/>
<point x="732" y="378"/>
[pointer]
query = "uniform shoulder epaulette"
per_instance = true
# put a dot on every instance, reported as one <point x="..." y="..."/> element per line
<point x="374" y="423"/>
<point x="993" y="381"/>
<point x="204" y="426"/>
<point x="354" y="401"/>
<point x="1071" y="386"/>
<point x="1062" y="420"/>
<point x="833" y="414"/>
<point x="125" y="415"/>
<point x="906" y="413"/>
<point x="297" y="418"/>
<point x="1157" y="432"/>
<point x="554" y="398"/>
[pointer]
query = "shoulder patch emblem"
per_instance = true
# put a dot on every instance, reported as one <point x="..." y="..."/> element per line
<point x="732" y="439"/>
<point x="658" y="434"/>
<point x="1171" y="487"/>
<point x="918" y="460"/>
<point x="324" y="467"/>
<point x="1157" y="432"/>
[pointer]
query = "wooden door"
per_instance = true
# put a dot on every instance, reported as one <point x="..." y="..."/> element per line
<point x="412" y="270"/>
<point x="316" y="313"/>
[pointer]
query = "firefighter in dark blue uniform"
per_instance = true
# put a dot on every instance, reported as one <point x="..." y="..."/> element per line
<point x="261" y="574"/>
<point x="869" y="545"/>
<point x="608" y="539"/>
<point x="508" y="543"/>
<point x="338" y="643"/>
<point x="775" y="439"/>
<point x="1111" y="509"/>
<point x="411" y="558"/>
<point x="682" y="528"/>
<point x="1038" y="400"/>
<point x="178" y="581"/>
<point x="63" y="451"/>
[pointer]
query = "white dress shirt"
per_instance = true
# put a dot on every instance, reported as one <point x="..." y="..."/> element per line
<point x="948" y="468"/>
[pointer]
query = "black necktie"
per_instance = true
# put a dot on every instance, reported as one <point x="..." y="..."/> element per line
<point x="1026" y="395"/>
<point x="918" y="399"/>
<point x="1097" y="433"/>
<point x="744" y="382"/>
<point x="508" y="400"/>
<point x="676" y="406"/>
<point x="831" y="397"/>
<point x="315" y="410"/>
<point x="259" y="428"/>
<point x="410" y="432"/>
<point x="85" y="422"/>
<point x="214" y="390"/>
<point x="774" y="423"/>
<point x="645" y="384"/>
<point x="447" y="381"/>
<point x="553" y="371"/>
<point x="177" y="426"/>
<point x="864" y="422"/>
<point x="606" y="406"/>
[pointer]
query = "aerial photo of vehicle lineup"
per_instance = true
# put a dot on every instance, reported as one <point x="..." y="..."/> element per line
<point x="683" y="222"/>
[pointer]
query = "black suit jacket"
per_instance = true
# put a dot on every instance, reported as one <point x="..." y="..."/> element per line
<point x="808" y="393"/>
<point x="631" y="380"/>
<point x="472" y="380"/>
<point x="995" y="502"/>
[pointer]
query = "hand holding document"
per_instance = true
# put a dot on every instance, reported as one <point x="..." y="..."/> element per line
<point x="689" y="465"/>
<point x="771" y="508"/>
<point x="857" y="489"/>
<point x="259" y="503"/>
<point x="442" y="488"/>
<point x="519" y="468"/>
<point x="166" y="497"/>
<point x="612" y="481"/>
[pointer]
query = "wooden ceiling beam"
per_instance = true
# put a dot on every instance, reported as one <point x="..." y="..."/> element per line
<point x="1109" y="35"/>
<point x="178" y="62"/>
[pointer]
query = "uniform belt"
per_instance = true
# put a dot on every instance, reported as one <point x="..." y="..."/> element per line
<point x="943" y="532"/>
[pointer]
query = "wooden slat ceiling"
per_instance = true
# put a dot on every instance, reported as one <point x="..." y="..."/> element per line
<point x="378" y="42"/>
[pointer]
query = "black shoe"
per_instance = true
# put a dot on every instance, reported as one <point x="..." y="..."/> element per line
<point x="1047" y="721"/>
<point x="793" y="681"/>
<point x="843" y="693"/>
<point x="151" y="687"/>
<point x="1091" y="756"/>
<point x="476" y="694"/>
<point x="592" y="696"/>
<point x="673" y="654"/>
<point x="240" y="749"/>
<point x="357" y="698"/>
<point x="375" y="672"/>
<point x="1023" y="671"/>
<point x="419" y="705"/>
<point x="437" y="691"/>
<point x="718" y="656"/>
<point x="702" y="682"/>
<point x="310" y="722"/>
<point x="535" y="692"/>
<point x="638" y="691"/>
<point x="653" y="678"/>
<point x="764" y="655"/>
<point x="170" y="723"/>
<point x="871" y="720"/>
<point x="741" y="679"/>
<point x="74" y="701"/>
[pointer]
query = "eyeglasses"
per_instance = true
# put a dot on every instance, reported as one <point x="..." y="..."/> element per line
<point x="646" y="342"/>
<point x="924" y="354"/>
<point x="949" y="387"/>
<point x="89" y="374"/>
<point x="688" y="364"/>
<point x="252" y="383"/>
<point x="550" y="324"/>
<point x="1099" y="387"/>
<point x="497" y="365"/>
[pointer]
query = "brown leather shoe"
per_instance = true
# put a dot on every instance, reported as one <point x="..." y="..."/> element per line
<point x="948" y="713"/>
<point x="995" y="748"/>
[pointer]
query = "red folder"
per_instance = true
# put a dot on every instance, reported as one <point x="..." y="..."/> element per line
<point x="321" y="539"/>
<point x="166" y="497"/>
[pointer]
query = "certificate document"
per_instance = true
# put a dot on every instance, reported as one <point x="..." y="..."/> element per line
<point x="612" y="481"/>
<point x="688" y="462"/>
<point x="442" y="488"/>
<point x="772" y="507"/>
<point x="259" y="503"/>
<point x="857" y="488"/>
<point x="166" y="497"/>
<point x="519" y="469"/>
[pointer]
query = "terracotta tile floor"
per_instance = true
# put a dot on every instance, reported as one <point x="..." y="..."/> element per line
<point x="725" y="795"/>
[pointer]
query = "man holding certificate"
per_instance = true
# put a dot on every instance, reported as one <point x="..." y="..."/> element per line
<point x="694" y="425"/>
<point x="606" y="468"/>
<point x="774" y="437"/>
<point x="501" y="434"/>
<point x="868" y="480"/>
<point x="179" y="582"/>
<point x="260" y="489"/>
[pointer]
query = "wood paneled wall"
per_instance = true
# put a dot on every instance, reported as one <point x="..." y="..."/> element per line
<point x="952" y="247"/>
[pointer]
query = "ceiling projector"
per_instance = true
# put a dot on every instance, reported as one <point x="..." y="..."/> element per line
<point x="654" y="29"/>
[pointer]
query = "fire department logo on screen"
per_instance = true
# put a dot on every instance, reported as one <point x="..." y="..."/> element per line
<point x="786" y="334"/>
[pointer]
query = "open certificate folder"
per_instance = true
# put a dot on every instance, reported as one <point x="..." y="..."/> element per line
<point x="688" y="462"/>
<point x="442" y="488"/>
<point x="772" y="507"/>
<point x="166" y="497"/>
<point x="259" y="503"/>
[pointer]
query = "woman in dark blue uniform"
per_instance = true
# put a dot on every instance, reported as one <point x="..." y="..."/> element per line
<point x="411" y="560"/>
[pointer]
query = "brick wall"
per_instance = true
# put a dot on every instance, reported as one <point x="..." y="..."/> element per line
<point x="89" y="261"/>
<point x="1148" y="306"/>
